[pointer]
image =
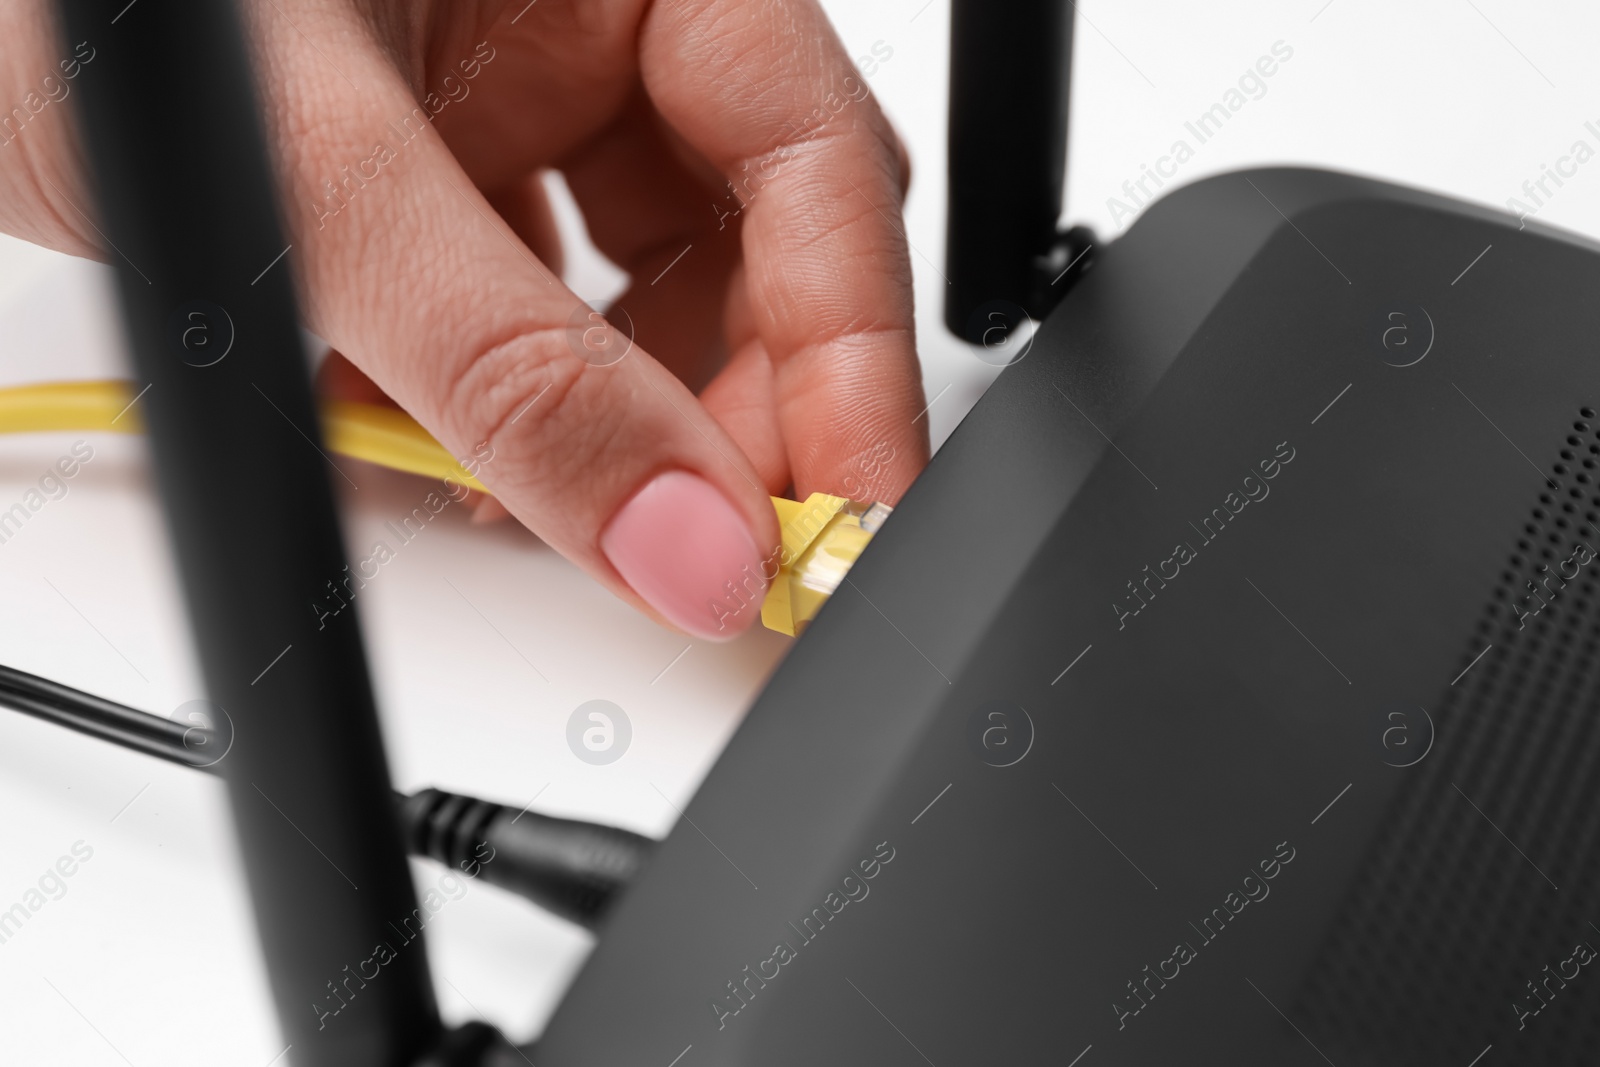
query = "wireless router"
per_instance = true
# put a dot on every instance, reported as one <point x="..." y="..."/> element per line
<point x="1224" y="692"/>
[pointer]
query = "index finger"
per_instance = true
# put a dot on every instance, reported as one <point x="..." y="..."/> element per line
<point x="766" y="93"/>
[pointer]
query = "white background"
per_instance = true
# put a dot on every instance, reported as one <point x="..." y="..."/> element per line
<point x="150" y="958"/>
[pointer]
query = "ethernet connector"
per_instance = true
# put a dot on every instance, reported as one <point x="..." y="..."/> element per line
<point x="822" y="538"/>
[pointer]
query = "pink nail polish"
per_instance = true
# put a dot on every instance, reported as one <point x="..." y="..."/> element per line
<point x="686" y="550"/>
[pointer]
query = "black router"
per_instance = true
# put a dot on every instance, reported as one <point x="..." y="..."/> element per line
<point x="1224" y="692"/>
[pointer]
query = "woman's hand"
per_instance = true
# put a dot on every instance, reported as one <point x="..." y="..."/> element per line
<point x="726" y="153"/>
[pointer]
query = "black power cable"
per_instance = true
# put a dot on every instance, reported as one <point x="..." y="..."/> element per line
<point x="571" y="868"/>
<point x="105" y="719"/>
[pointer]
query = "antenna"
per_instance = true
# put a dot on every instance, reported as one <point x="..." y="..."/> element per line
<point x="184" y="187"/>
<point x="1010" y="79"/>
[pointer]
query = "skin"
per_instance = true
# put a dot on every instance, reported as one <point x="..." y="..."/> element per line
<point x="778" y="352"/>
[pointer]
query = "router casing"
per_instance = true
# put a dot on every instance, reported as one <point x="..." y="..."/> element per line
<point x="1224" y="692"/>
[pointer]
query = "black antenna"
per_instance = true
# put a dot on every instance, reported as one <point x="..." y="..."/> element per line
<point x="1010" y="78"/>
<point x="184" y="187"/>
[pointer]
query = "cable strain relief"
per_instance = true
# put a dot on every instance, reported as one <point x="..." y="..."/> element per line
<point x="445" y="827"/>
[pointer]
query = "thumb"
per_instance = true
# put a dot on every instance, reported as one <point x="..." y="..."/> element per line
<point x="582" y="436"/>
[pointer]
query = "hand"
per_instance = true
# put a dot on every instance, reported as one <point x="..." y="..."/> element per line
<point x="725" y="153"/>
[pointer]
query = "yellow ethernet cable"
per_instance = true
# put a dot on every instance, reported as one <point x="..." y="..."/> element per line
<point x="822" y="538"/>
<point x="822" y="535"/>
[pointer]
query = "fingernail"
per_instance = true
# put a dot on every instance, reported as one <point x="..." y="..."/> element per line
<point x="686" y="550"/>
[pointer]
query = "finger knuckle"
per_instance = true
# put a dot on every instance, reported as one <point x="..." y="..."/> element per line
<point x="516" y="395"/>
